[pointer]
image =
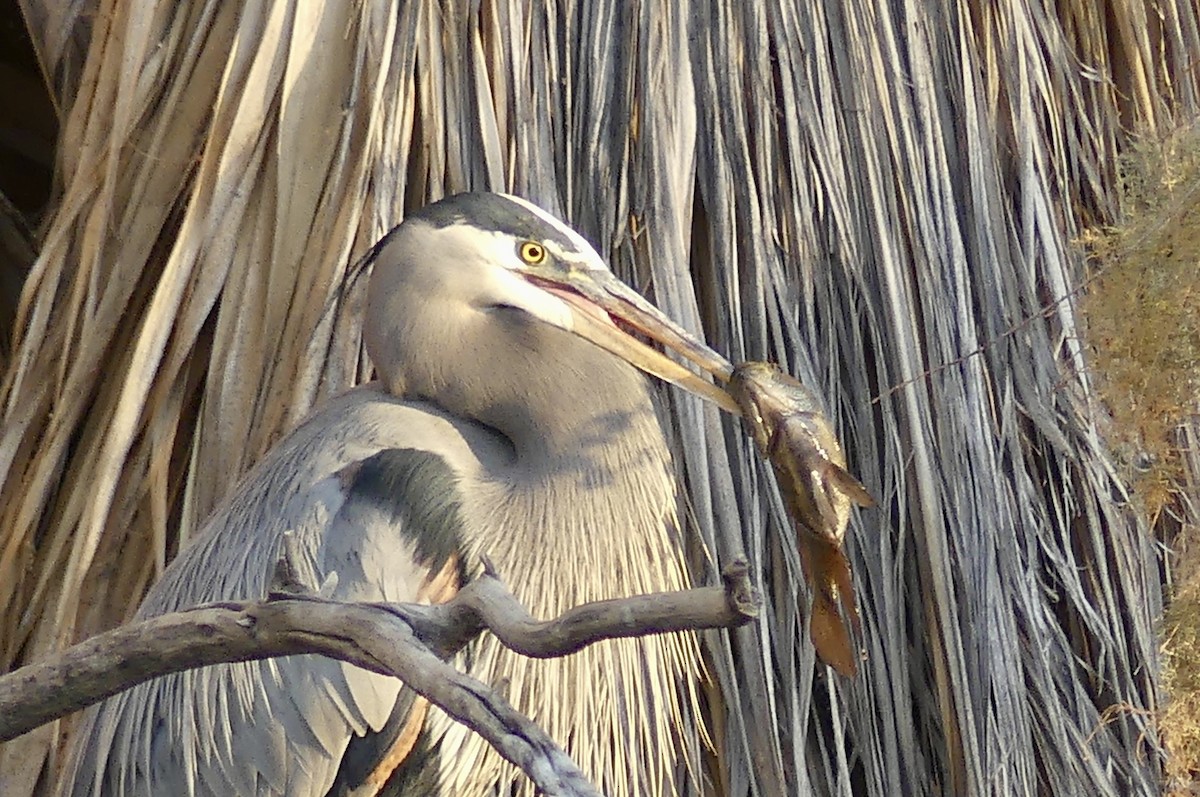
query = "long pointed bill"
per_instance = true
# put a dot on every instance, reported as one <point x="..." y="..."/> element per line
<point x="597" y="298"/>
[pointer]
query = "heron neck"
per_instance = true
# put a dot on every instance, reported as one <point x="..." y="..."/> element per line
<point x="591" y="482"/>
<point x="585" y="511"/>
<point x="589" y="426"/>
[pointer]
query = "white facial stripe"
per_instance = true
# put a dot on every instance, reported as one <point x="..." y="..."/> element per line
<point x="508" y="286"/>
<point x="585" y="258"/>
<point x="537" y="302"/>
<point x="585" y="254"/>
<point x="501" y="248"/>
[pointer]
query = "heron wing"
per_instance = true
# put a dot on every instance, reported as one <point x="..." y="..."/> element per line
<point x="387" y="524"/>
<point x="418" y="492"/>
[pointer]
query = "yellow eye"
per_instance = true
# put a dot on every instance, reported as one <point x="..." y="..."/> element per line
<point x="533" y="253"/>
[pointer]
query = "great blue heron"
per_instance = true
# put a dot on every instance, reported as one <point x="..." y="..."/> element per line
<point x="507" y="421"/>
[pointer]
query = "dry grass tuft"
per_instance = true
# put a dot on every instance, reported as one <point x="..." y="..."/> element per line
<point x="1143" y="312"/>
<point x="1180" y="720"/>
<point x="1143" y="316"/>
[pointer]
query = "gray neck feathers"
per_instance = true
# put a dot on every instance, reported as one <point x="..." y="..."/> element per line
<point x="586" y="512"/>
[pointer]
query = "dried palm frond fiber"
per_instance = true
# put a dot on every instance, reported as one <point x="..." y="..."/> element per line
<point x="885" y="198"/>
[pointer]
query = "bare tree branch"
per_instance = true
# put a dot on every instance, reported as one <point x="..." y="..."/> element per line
<point x="403" y="640"/>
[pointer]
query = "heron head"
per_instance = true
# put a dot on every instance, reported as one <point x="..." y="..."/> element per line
<point x="489" y="262"/>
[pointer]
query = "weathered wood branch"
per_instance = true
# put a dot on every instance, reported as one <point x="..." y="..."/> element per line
<point x="404" y="640"/>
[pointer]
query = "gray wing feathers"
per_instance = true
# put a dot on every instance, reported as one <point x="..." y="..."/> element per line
<point x="277" y="727"/>
<point x="302" y="709"/>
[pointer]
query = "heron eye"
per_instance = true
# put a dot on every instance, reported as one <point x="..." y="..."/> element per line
<point x="533" y="253"/>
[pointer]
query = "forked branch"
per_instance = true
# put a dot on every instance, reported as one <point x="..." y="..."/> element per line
<point x="407" y="641"/>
